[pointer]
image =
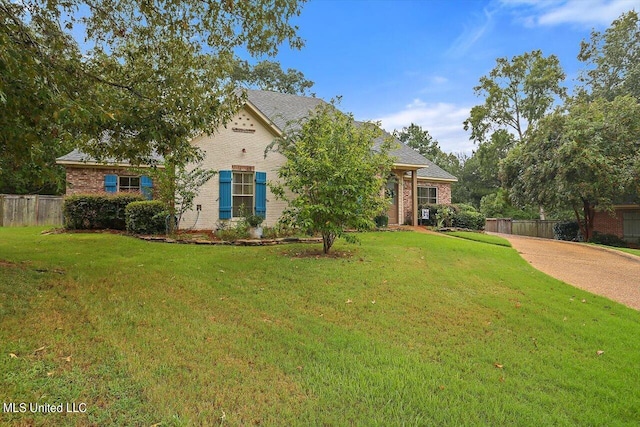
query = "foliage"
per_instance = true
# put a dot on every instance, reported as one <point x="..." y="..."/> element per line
<point x="498" y="205"/>
<point x="146" y="217"/>
<point x="608" y="240"/>
<point x="177" y="187"/>
<point x="254" y="220"/>
<point x="567" y="230"/>
<point x="585" y="159"/>
<point x="151" y="78"/>
<point x="614" y="59"/>
<point x="444" y="216"/>
<point x="97" y="211"/>
<point x="268" y="75"/>
<point x="468" y="219"/>
<point x="229" y="232"/>
<point x="331" y="169"/>
<point x="518" y="93"/>
<point x="382" y="221"/>
<point x="458" y="215"/>
<point x="421" y="141"/>
<point x="34" y="86"/>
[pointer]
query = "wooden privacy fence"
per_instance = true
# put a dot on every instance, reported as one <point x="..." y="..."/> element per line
<point x="521" y="227"/>
<point x="18" y="211"/>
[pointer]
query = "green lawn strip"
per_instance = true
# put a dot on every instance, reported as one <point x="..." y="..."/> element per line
<point x="480" y="237"/>
<point x="405" y="328"/>
<point x="627" y="250"/>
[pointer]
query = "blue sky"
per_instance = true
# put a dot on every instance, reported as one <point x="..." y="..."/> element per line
<point x="417" y="61"/>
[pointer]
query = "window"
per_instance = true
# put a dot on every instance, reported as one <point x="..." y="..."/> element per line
<point x="129" y="183"/>
<point x="242" y="193"/>
<point x="427" y="196"/>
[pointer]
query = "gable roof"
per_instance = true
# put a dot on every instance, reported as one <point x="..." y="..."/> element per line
<point x="78" y="157"/>
<point x="281" y="109"/>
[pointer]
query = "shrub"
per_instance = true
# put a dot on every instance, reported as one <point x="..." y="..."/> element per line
<point x="567" y="230"/>
<point x="97" y="211"/>
<point x="229" y="231"/>
<point x="254" y="220"/>
<point x="433" y="210"/>
<point x="608" y="239"/>
<point x="146" y="217"/>
<point x="468" y="219"/>
<point x="382" y="221"/>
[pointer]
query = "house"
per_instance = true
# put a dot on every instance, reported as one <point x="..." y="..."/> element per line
<point x="237" y="152"/>
<point x="623" y="222"/>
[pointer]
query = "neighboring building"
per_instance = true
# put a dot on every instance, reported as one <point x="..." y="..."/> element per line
<point x="624" y="222"/>
<point x="237" y="152"/>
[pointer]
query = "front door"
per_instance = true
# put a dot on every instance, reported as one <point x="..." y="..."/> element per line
<point x="392" y="192"/>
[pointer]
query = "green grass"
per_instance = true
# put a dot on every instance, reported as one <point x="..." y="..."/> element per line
<point x="627" y="250"/>
<point x="405" y="329"/>
<point x="480" y="237"/>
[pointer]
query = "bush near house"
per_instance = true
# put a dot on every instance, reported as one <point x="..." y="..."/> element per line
<point x="568" y="230"/>
<point x="459" y="215"/>
<point x="608" y="240"/>
<point x="146" y="217"/>
<point x="97" y="211"/>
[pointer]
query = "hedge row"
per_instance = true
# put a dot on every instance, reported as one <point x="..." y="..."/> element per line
<point x="147" y="217"/>
<point x="129" y="212"/>
<point x="461" y="216"/>
<point x="91" y="211"/>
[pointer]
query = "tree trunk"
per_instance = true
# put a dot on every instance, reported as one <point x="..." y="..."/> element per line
<point x="171" y="182"/>
<point x="543" y="215"/>
<point x="327" y="241"/>
<point x="586" y="222"/>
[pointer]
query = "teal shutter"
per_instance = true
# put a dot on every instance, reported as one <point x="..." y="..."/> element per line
<point x="146" y="187"/>
<point x="261" y="194"/>
<point x="225" y="195"/>
<point x="111" y="183"/>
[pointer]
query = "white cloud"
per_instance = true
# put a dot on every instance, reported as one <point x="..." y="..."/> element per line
<point x="442" y="120"/>
<point x="471" y="34"/>
<point x="581" y="12"/>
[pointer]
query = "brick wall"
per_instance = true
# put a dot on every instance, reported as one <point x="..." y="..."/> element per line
<point x="88" y="180"/>
<point x="606" y="223"/>
<point x="443" y="193"/>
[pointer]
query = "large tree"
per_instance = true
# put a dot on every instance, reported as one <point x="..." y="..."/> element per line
<point x="421" y="140"/>
<point x="151" y="76"/>
<point x="269" y="75"/>
<point x="613" y="59"/>
<point x="586" y="159"/>
<point x="518" y="93"/>
<point x="333" y="179"/>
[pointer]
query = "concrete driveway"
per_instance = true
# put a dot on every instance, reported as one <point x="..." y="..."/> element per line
<point x="606" y="272"/>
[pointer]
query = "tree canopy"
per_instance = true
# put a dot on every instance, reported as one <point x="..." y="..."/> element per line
<point x="333" y="179"/>
<point x="517" y="93"/>
<point x="149" y="76"/>
<point x="421" y="141"/>
<point x="587" y="158"/>
<point x="613" y="59"/>
<point x="269" y="75"/>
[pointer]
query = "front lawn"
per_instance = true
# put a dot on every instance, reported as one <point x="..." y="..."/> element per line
<point x="405" y="329"/>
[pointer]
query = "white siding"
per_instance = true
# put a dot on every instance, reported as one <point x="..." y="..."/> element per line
<point x="225" y="149"/>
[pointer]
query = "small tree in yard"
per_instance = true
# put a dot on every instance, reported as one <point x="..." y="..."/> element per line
<point x="177" y="188"/>
<point x="334" y="173"/>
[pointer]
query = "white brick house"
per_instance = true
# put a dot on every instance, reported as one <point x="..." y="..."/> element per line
<point x="237" y="152"/>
